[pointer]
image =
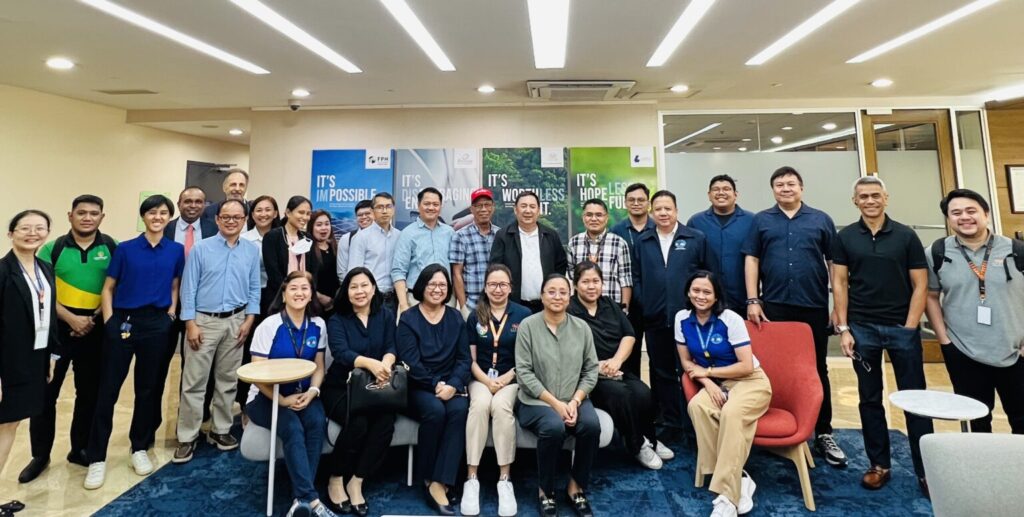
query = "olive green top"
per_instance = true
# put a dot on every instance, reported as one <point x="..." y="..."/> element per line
<point x="560" y="364"/>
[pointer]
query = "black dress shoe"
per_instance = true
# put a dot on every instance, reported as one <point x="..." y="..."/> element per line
<point x="33" y="469"/>
<point x="343" y="508"/>
<point x="12" y="506"/>
<point x="78" y="458"/>
<point x="361" y="509"/>
<point x="441" y="509"/>
<point x="547" y="505"/>
<point x="581" y="505"/>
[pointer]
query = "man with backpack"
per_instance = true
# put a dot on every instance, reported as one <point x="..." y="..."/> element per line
<point x="976" y="306"/>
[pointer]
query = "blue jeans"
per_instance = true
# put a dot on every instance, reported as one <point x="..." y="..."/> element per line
<point x="302" y="433"/>
<point x="904" y="347"/>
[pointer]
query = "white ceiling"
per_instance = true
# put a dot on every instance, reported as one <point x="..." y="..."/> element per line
<point x="489" y="42"/>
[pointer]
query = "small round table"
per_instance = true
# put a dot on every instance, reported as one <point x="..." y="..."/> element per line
<point x="275" y="372"/>
<point x="939" y="405"/>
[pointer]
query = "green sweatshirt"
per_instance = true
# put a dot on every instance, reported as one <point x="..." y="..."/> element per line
<point x="560" y="364"/>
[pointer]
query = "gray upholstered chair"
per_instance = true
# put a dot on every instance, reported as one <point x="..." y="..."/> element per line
<point x="974" y="473"/>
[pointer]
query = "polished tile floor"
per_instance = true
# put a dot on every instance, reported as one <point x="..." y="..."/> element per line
<point x="59" y="492"/>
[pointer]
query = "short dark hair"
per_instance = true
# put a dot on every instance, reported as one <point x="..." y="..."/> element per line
<point x="722" y="177"/>
<point x="25" y="213"/>
<point x="785" y="170"/>
<point x="552" y="277"/>
<point x="596" y="201"/>
<point x="275" y="222"/>
<point x="583" y="267"/>
<point x="964" y="193"/>
<point x="343" y="306"/>
<point x="384" y="195"/>
<point x="87" y="198"/>
<point x="429" y="190"/>
<point x="638" y="186"/>
<point x="716" y="286"/>
<point x="428" y="272"/>
<point x="191" y="187"/>
<point x="525" y="193"/>
<point x="245" y="209"/>
<point x="313" y="308"/>
<point x="154" y="201"/>
<point x="366" y="203"/>
<point x="664" y="193"/>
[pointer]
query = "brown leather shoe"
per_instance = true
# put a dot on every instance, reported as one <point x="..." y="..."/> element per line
<point x="876" y="477"/>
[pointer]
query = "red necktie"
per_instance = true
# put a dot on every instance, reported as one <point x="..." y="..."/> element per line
<point x="190" y="238"/>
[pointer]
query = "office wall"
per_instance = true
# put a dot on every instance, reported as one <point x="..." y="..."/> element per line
<point x="54" y="148"/>
<point x="1006" y="131"/>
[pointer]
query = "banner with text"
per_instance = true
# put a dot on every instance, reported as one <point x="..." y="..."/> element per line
<point x="508" y="171"/>
<point x="604" y="173"/>
<point x="454" y="172"/>
<point x="343" y="177"/>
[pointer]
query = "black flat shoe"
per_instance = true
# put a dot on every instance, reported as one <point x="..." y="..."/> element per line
<point x="32" y="470"/>
<point x="12" y="507"/>
<point x="441" y="509"/>
<point x="343" y="508"/>
<point x="78" y="458"/>
<point x="581" y="505"/>
<point x="548" y="506"/>
<point x="361" y="509"/>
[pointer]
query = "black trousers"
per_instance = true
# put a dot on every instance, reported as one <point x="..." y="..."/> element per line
<point x="636" y="318"/>
<point x="551" y="433"/>
<point x="666" y="383"/>
<point x="535" y="306"/>
<point x="817" y="319"/>
<point x="84" y="353"/>
<point x="981" y="382"/>
<point x="147" y="344"/>
<point x="442" y="435"/>
<point x="364" y="440"/>
<point x="629" y="403"/>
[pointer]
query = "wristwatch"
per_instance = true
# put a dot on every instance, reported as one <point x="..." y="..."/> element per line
<point x="842" y="328"/>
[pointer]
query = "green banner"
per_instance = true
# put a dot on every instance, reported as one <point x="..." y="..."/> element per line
<point x="604" y="173"/>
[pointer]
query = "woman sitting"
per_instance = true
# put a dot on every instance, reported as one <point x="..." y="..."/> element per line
<point x="293" y="332"/>
<point x="556" y="366"/>
<point x="492" y="331"/>
<point x="714" y="348"/>
<point x="623" y="395"/>
<point x="431" y="340"/>
<point x="361" y="335"/>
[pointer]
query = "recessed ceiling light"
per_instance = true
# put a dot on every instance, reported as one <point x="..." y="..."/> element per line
<point x="486" y="89"/>
<point x="933" y="25"/>
<point x="776" y="140"/>
<point x="235" y="132"/>
<point x="708" y="127"/>
<point x="684" y="24"/>
<point x="716" y="148"/>
<point x="414" y="27"/>
<point x="881" y="83"/>
<point x="60" y="63"/>
<point x="149" y="24"/>
<point x="801" y="31"/>
<point x="746" y="139"/>
<point x="300" y="92"/>
<point x="828" y="126"/>
<point x="742" y="149"/>
<point x="679" y="88"/>
<point x="840" y="147"/>
<point x="787" y="128"/>
<point x="286" y="27"/>
<point x="549" y="31"/>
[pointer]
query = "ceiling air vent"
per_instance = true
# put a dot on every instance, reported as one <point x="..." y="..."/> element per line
<point x="127" y="92"/>
<point x="579" y="91"/>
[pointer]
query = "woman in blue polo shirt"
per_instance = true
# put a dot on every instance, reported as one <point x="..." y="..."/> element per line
<point x="293" y="332"/>
<point x="714" y="348"/>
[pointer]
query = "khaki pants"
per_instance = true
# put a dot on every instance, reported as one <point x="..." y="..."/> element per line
<point x="218" y="350"/>
<point x="725" y="435"/>
<point x="485" y="408"/>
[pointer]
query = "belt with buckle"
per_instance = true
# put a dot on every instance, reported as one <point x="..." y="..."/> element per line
<point x="223" y="315"/>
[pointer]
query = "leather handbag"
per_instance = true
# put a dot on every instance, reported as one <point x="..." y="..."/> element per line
<point x="366" y="394"/>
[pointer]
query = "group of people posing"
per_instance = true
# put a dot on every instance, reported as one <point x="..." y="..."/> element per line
<point x="497" y="328"/>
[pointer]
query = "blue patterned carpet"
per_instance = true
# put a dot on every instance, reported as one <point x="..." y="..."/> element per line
<point x="225" y="484"/>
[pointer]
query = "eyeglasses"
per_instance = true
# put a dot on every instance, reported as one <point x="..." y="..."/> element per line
<point x="30" y="229"/>
<point x="231" y="218"/>
<point x="557" y="294"/>
<point x="723" y="190"/>
<point x="499" y="286"/>
<point x="864" y="364"/>
<point x="636" y="200"/>
<point x="437" y="286"/>
<point x="384" y="208"/>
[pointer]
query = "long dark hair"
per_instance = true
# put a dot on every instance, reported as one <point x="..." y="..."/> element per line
<point x="332" y="243"/>
<point x="275" y="222"/>
<point x="716" y="286"/>
<point x="343" y="306"/>
<point x="483" y="303"/>
<point x="313" y="308"/>
<point x="293" y="203"/>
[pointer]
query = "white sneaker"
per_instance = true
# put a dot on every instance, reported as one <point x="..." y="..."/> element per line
<point x="470" y="504"/>
<point x="723" y="507"/>
<point x="299" y="509"/>
<point x="648" y="458"/>
<point x="96" y="476"/>
<point x="506" y="499"/>
<point x="747" y="487"/>
<point x="141" y="463"/>
<point x="663" y="452"/>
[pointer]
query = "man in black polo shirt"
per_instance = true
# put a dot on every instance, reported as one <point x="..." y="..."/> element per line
<point x="880" y="285"/>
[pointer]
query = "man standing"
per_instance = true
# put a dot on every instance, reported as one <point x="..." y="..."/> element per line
<point x="726" y="226"/>
<point x="530" y="250"/>
<point x="666" y="257"/>
<point x="789" y="255"/>
<point x="80" y="260"/>
<point x="880" y="283"/>
<point x="638" y="205"/>
<point x="234" y="185"/>
<point x="374" y="249"/>
<point x="975" y="300"/>
<point x="609" y="251"/>
<point x="364" y="218"/>
<point x="426" y="241"/>
<point x="220" y="298"/>
<point x="471" y="249"/>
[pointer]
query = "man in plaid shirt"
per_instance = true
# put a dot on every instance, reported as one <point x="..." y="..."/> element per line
<point x="471" y="249"/>
<point x="609" y="251"/>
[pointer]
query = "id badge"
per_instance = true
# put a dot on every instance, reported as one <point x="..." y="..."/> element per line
<point x="492" y="373"/>
<point x="126" y="330"/>
<point x="42" y="338"/>
<point x="984" y="315"/>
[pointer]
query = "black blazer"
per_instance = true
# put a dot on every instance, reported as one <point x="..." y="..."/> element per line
<point x="506" y="250"/>
<point x="208" y="227"/>
<point x="19" y="362"/>
<point x="275" y="258"/>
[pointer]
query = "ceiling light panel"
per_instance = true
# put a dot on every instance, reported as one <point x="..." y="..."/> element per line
<point x="803" y="30"/>
<point x="704" y="129"/>
<point x="403" y="14"/>
<point x="151" y="25"/>
<point x="296" y="33"/>
<point x="679" y="31"/>
<point x="549" y="30"/>
<point x="931" y="26"/>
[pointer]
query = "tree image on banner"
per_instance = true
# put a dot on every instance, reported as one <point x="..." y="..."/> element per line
<point x="509" y="171"/>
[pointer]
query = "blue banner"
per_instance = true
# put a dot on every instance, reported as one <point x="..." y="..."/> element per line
<point x="344" y="177"/>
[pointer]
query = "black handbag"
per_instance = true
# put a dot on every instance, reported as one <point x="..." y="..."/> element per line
<point x="366" y="394"/>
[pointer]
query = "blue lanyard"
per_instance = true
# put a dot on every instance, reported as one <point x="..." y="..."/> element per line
<point x="302" y="342"/>
<point x="704" y="341"/>
<point x="39" y="288"/>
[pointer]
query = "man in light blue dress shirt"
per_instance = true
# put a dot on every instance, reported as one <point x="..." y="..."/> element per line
<point x="374" y="247"/>
<point x="426" y="241"/>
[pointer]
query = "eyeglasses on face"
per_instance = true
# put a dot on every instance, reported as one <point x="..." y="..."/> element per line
<point x="437" y="286"/>
<point x="231" y="218"/>
<point x="499" y="286"/>
<point x="384" y="208"/>
<point x="557" y="294"/>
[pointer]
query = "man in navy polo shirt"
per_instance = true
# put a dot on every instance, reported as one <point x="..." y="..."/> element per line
<point x="880" y="285"/>
<point x="726" y="226"/>
<point x="789" y="255"/>
<point x="139" y="300"/>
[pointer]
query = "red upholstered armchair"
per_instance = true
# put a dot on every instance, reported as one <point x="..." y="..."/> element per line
<point x="786" y="353"/>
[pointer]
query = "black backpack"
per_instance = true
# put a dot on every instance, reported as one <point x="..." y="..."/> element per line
<point x="61" y="243"/>
<point x="939" y="256"/>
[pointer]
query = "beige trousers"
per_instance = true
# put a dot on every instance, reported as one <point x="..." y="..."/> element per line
<point x="219" y="352"/>
<point x="725" y="435"/>
<point x="485" y="408"/>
